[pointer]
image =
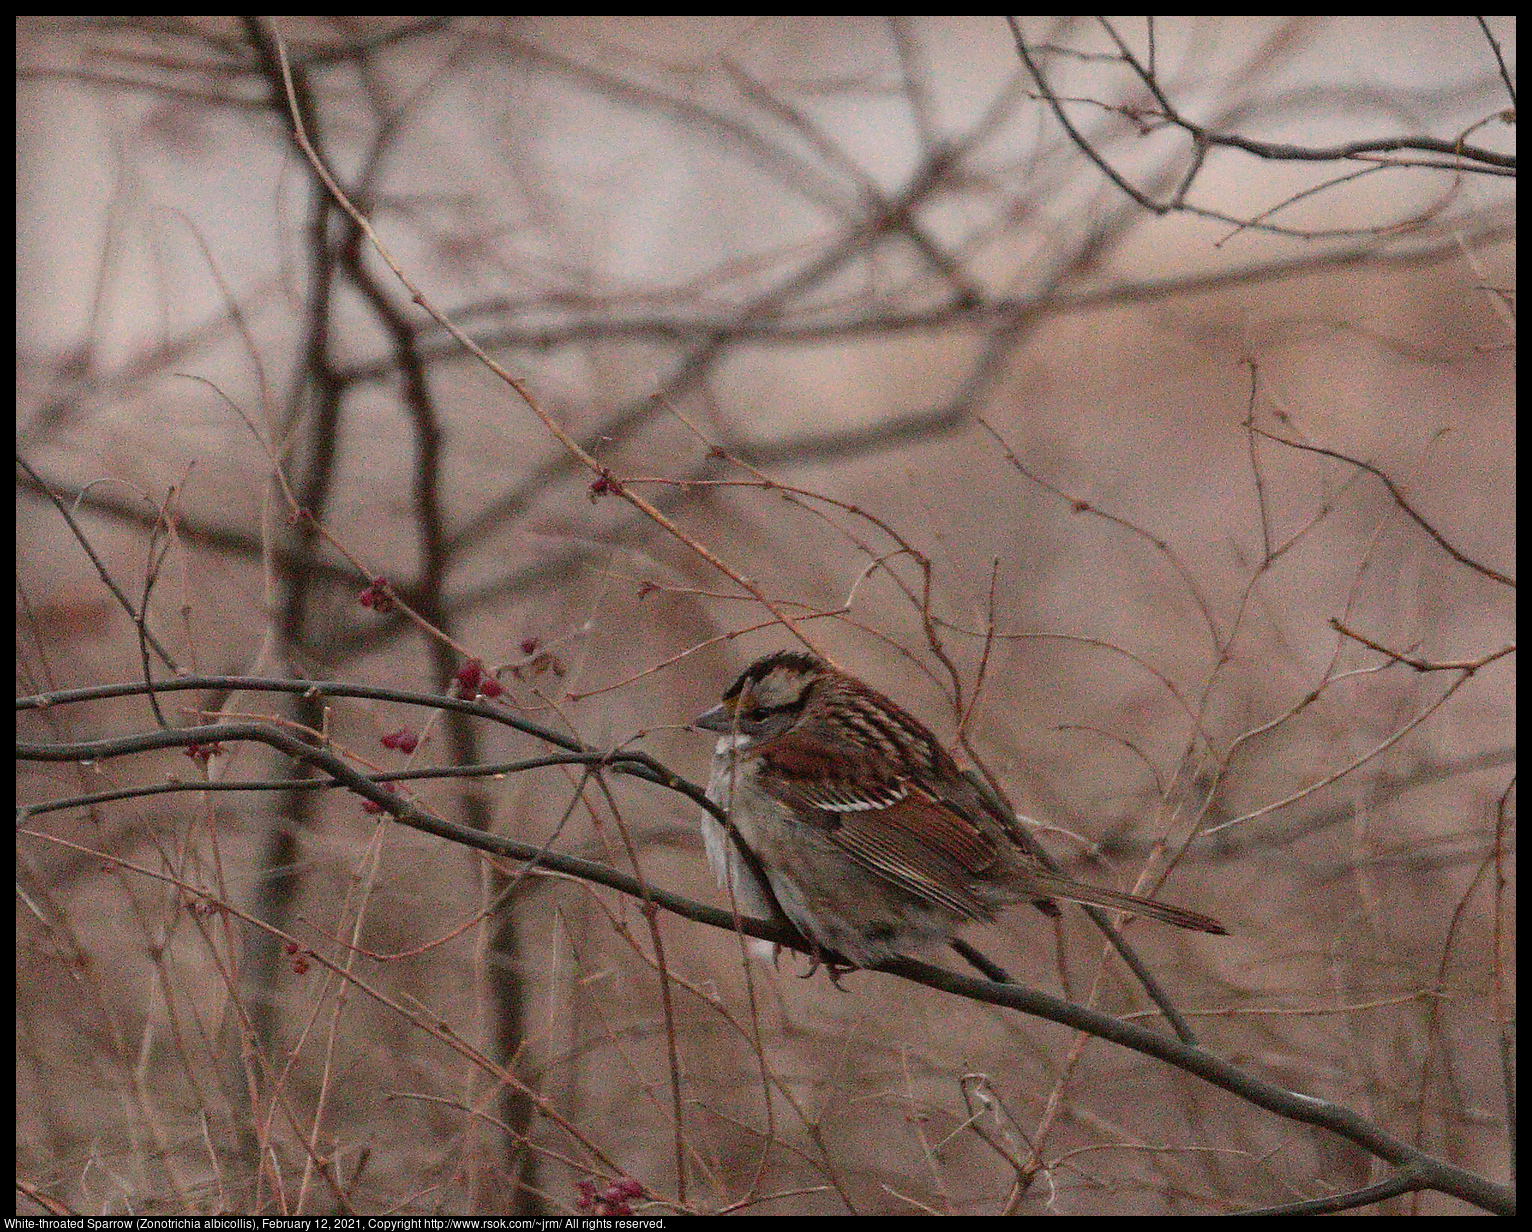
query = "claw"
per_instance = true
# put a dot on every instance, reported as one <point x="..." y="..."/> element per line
<point x="835" y="967"/>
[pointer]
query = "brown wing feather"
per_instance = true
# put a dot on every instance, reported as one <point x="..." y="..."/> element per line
<point x="907" y="862"/>
<point x="856" y="796"/>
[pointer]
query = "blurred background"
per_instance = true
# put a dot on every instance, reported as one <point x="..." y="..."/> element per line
<point x="1028" y="370"/>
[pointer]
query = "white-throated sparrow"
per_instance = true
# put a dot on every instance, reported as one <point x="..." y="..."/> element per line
<point x="872" y="840"/>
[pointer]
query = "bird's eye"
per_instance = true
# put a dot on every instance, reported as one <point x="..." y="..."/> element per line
<point x="757" y="714"/>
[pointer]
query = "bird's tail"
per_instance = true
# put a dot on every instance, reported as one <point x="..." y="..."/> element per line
<point x="1056" y="885"/>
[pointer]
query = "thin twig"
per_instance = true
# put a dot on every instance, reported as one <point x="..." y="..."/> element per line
<point x="1460" y="557"/>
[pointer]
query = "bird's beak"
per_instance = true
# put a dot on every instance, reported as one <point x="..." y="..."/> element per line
<point x="719" y="719"/>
